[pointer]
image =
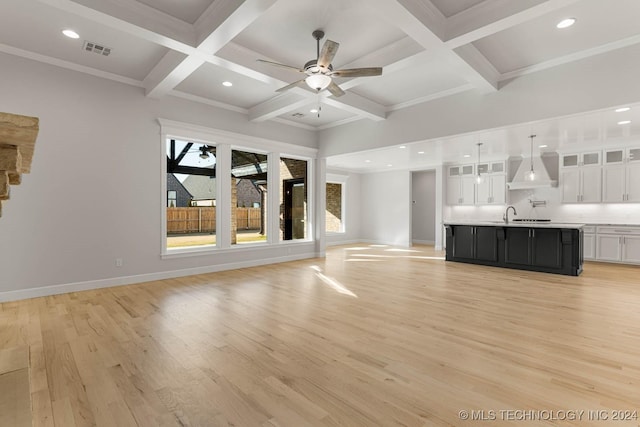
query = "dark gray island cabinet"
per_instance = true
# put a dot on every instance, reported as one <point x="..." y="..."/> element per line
<point x="549" y="248"/>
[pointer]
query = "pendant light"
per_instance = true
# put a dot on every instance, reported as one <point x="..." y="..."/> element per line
<point x="531" y="175"/>
<point x="479" y="177"/>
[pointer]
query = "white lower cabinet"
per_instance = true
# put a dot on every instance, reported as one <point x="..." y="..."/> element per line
<point x="618" y="244"/>
<point x="609" y="247"/>
<point x="631" y="249"/>
<point x="589" y="242"/>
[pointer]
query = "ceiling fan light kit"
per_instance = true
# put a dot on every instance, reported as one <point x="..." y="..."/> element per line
<point x="318" y="82"/>
<point x="320" y="72"/>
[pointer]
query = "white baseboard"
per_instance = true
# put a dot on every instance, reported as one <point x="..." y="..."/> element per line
<point x="424" y="242"/>
<point x="343" y="242"/>
<point x="44" y="291"/>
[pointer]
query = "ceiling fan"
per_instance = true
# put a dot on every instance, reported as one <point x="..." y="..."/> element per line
<point x="320" y="72"/>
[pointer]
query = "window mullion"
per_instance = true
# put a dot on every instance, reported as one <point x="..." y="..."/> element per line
<point x="223" y="190"/>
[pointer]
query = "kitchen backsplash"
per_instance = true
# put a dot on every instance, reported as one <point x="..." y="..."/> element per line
<point x="590" y="213"/>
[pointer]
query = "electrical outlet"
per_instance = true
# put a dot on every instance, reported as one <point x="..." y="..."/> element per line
<point x="118" y="262"/>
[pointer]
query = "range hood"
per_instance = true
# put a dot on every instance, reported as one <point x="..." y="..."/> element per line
<point x="544" y="169"/>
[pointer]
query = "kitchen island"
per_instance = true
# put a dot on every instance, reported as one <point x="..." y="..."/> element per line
<point x="546" y="247"/>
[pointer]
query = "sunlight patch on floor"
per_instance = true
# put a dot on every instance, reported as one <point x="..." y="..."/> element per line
<point x="337" y="286"/>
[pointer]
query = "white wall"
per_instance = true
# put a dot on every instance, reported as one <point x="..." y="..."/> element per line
<point x="423" y="214"/>
<point x="352" y="210"/>
<point x="385" y="203"/>
<point x="94" y="193"/>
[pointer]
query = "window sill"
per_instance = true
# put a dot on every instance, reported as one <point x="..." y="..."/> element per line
<point x="191" y="251"/>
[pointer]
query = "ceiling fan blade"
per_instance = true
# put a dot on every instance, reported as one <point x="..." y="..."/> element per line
<point x="358" y="72"/>
<point x="329" y="50"/>
<point x="335" y="89"/>
<point x="300" y="83"/>
<point x="289" y="67"/>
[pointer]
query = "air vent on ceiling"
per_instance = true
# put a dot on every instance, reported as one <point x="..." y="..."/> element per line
<point x="96" y="48"/>
<point x="297" y="115"/>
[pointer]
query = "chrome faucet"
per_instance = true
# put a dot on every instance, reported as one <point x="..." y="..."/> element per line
<point x="505" y="217"/>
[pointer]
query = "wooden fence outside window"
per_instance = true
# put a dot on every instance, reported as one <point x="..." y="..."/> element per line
<point x="203" y="219"/>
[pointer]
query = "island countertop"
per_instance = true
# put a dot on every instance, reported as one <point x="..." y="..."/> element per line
<point x="525" y="224"/>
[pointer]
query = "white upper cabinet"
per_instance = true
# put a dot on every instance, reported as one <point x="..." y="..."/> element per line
<point x="621" y="175"/>
<point x="492" y="189"/>
<point x="588" y="158"/>
<point x="581" y="177"/>
<point x="460" y="185"/>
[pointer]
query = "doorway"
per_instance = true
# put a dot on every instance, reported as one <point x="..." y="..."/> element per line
<point x="423" y="207"/>
<point x="294" y="209"/>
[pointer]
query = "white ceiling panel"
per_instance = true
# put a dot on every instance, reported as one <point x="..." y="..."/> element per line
<point x="328" y="115"/>
<point x="598" y="23"/>
<point x="428" y="78"/>
<point x="283" y="33"/>
<point x="37" y="28"/>
<point x="449" y="8"/>
<point x="185" y="10"/>
<point x="207" y="80"/>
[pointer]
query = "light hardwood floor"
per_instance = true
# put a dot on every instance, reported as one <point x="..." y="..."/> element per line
<point x="369" y="336"/>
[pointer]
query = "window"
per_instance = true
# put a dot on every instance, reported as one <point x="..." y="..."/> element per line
<point x="248" y="197"/>
<point x="293" y="199"/>
<point x="216" y="193"/>
<point x="172" y="199"/>
<point x="191" y="194"/>
<point x="335" y="203"/>
<point x="333" y="215"/>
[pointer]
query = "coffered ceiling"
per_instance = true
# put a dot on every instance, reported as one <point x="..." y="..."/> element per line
<point x="429" y="49"/>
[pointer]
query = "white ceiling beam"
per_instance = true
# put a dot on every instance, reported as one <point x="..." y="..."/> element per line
<point x="420" y="21"/>
<point x="172" y="69"/>
<point x="493" y="16"/>
<point x="134" y="18"/>
<point x="220" y="23"/>
<point x="484" y="71"/>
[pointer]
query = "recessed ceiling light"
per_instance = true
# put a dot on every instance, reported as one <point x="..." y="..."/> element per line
<point x="622" y="109"/>
<point x="467" y="156"/>
<point x="624" y="122"/>
<point x="367" y="161"/>
<point x="313" y="110"/>
<point x="543" y="146"/>
<point x="227" y="84"/>
<point x="402" y="146"/>
<point x="389" y="165"/>
<point x="420" y="152"/>
<point x="71" y="34"/>
<point x="566" y="23"/>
